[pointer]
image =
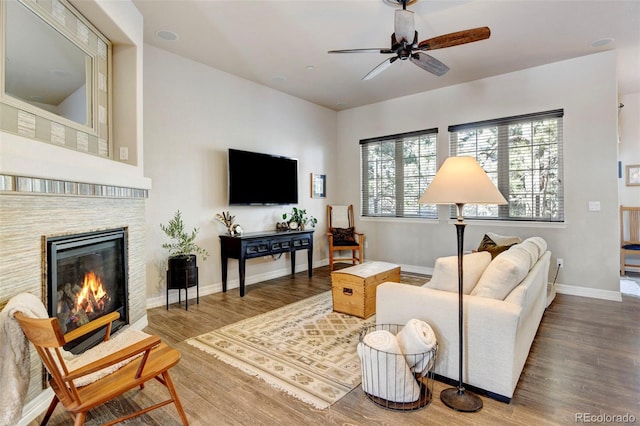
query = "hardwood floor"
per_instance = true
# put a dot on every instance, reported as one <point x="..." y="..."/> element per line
<point x="585" y="359"/>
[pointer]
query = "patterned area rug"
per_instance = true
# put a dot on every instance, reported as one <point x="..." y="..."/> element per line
<point x="304" y="349"/>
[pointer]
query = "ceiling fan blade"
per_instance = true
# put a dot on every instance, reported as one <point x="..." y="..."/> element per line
<point x="429" y="63"/>
<point x="381" y="67"/>
<point x="371" y="50"/>
<point x="454" y="39"/>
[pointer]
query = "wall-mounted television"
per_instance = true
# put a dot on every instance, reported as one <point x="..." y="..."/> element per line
<point x="261" y="179"/>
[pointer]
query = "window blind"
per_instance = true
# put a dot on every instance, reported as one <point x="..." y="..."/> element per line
<point x="395" y="171"/>
<point x="523" y="156"/>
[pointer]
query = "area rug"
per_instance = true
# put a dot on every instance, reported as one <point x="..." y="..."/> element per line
<point x="304" y="349"/>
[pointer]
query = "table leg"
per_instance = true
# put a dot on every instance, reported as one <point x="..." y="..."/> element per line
<point x="241" y="269"/>
<point x="293" y="262"/>
<point x="224" y="273"/>
<point x="310" y="261"/>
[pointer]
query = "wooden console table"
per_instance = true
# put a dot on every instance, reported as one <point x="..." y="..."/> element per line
<point x="259" y="244"/>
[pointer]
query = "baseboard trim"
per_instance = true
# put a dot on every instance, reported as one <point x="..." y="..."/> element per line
<point x="231" y="284"/>
<point x="593" y="293"/>
<point x="416" y="269"/>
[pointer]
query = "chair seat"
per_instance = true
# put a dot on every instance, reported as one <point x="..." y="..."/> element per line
<point x="161" y="358"/>
<point x="631" y="247"/>
<point x="345" y="243"/>
<point x="342" y="235"/>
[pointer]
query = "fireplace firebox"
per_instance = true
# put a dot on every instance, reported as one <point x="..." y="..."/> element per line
<point x="86" y="279"/>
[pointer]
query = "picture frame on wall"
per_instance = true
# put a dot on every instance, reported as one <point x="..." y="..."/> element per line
<point x="633" y="175"/>
<point x="318" y="185"/>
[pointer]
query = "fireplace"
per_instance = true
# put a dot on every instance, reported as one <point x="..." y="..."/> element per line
<point x="86" y="279"/>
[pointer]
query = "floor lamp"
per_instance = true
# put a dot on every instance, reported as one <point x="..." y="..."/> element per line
<point x="460" y="181"/>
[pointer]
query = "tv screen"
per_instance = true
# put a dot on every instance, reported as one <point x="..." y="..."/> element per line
<point x="261" y="179"/>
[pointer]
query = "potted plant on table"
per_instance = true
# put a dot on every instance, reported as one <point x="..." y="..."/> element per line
<point x="182" y="268"/>
<point x="298" y="219"/>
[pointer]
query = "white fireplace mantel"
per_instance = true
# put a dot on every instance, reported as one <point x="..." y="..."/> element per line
<point x="20" y="156"/>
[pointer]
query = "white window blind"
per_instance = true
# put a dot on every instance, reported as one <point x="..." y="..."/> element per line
<point x="395" y="171"/>
<point x="523" y="156"/>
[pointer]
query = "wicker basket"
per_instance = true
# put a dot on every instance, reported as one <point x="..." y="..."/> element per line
<point x="411" y="390"/>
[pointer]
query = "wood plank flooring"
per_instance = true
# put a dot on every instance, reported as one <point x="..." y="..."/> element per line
<point x="585" y="359"/>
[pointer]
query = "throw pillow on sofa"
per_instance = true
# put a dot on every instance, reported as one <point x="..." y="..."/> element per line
<point x="494" y="247"/>
<point x="504" y="273"/>
<point x="445" y="272"/>
<point x="504" y="240"/>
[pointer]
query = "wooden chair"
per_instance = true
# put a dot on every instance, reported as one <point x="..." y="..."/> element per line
<point x="629" y="235"/>
<point x="155" y="361"/>
<point x="342" y="235"/>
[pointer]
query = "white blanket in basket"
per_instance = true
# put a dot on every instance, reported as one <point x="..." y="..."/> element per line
<point x="385" y="372"/>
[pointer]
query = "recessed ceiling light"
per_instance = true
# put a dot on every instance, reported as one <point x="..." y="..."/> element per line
<point x="58" y="72"/>
<point x="602" y="42"/>
<point x="167" y="35"/>
<point x="310" y="68"/>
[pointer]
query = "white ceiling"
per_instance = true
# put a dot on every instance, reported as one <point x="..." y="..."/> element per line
<point x="273" y="42"/>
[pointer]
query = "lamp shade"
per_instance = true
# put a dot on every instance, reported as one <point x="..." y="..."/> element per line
<point x="461" y="180"/>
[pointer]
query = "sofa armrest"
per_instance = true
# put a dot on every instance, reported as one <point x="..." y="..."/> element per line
<point x="490" y="331"/>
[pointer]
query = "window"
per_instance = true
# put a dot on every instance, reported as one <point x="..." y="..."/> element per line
<point x="395" y="172"/>
<point x="523" y="156"/>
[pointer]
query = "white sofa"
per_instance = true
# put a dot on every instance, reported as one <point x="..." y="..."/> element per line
<point x="497" y="333"/>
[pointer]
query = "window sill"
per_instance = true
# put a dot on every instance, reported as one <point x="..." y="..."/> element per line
<point x="469" y="222"/>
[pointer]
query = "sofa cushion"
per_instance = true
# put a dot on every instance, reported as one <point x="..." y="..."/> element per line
<point x="445" y="272"/>
<point x="531" y="249"/>
<point x="488" y="244"/>
<point x="504" y="273"/>
<point x="540" y="243"/>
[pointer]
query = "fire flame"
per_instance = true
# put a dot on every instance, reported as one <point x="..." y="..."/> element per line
<point x="93" y="295"/>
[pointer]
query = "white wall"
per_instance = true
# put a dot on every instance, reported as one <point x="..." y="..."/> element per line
<point x="587" y="91"/>
<point x="193" y="114"/>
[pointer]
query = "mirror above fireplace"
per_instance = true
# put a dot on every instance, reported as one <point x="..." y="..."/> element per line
<point x="55" y="75"/>
<point x="46" y="69"/>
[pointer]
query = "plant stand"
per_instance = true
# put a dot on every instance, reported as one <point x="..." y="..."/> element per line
<point x="182" y="273"/>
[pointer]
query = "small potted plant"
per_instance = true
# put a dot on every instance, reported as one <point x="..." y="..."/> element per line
<point x="182" y="266"/>
<point x="298" y="219"/>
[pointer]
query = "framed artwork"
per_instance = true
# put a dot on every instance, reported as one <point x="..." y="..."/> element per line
<point x="318" y="185"/>
<point x="633" y="175"/>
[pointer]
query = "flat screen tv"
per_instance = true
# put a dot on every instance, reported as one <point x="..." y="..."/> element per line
<point x="261" y="179"/>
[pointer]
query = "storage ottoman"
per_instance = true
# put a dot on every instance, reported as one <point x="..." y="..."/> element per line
<point x="354" y="288"/>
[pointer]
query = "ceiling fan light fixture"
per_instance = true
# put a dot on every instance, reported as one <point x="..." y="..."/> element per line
<point x="396" y="3"/>
<point x="404" y="25"/>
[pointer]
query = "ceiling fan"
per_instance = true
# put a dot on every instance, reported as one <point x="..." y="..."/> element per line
<point x="404" y="43"/>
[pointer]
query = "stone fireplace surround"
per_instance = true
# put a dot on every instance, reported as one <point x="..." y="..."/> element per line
<point x="26" y="218"/>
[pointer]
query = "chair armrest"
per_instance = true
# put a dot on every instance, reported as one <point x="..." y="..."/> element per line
<point x="144" y="345"/>
<point x="93" y="325"/>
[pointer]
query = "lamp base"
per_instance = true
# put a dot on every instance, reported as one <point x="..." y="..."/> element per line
<point x="460" y="400"/>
